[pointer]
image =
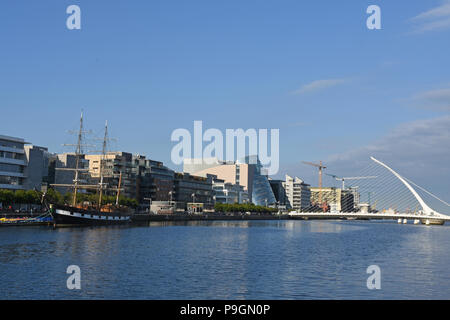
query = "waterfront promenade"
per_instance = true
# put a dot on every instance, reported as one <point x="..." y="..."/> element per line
<point x="145" y="217"/>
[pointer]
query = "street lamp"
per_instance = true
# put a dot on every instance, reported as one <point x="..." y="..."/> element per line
<point x="193" y="203"/>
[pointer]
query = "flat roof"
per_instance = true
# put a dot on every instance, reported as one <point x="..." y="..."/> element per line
<point x="13" y="139"/>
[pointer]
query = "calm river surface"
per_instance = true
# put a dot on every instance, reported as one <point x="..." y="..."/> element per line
<point x="227" y="260"/>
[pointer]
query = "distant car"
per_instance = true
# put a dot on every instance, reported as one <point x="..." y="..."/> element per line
<point x="248" y="212"/>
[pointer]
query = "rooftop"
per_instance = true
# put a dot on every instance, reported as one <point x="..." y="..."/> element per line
<point x="13" y="139"/>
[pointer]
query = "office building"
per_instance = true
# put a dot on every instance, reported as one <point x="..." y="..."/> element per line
<point x="12" y="163"/>
<point x="298" y="193"/>
<point x="341" y="200"/>
<point x="38" y="161"/>
<point x="225" y="192"/>
<point x="193" y="193"/>
<point x="60" y="171"/>
<point x="154" y="181"/>
<point x="279" y="192"/>
<point x="247" y="172"/>
<point x="117" y="168"/>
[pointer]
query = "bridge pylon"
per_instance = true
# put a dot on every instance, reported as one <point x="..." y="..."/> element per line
<point x="429" y="214"/>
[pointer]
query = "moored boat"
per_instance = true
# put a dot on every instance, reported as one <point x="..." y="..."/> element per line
<point x="90" y="214"/>
<point x="64" y="216"/>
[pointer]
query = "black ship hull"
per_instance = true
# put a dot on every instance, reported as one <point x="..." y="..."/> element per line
<point x="66" y="216"/>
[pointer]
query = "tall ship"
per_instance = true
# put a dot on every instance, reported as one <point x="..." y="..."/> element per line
<point x="77" y="214"/>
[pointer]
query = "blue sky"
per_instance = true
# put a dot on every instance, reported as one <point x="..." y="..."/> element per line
<point x="309" y="68"/>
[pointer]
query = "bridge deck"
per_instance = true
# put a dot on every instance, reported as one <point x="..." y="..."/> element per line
<point x="342" y="215"/>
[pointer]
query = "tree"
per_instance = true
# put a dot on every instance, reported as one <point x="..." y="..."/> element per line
<point x="54" y="196"/>
<point x="19" y="196"/>
<point x="32" y="197"/>
<point x="6" y="197"/>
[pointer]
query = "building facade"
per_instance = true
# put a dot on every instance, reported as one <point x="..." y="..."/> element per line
<point x="247" y="172"/>
<point x="228" y="193"/>
<point x="154" y="181"/>
<point x="60" y="171"/>
<point x="38" y="161"/>
<point x="341" y="200"/>
<point x="193" y="193"/>
<point x="117" y="168"/>
<point x="13" y="163"/>
<point x="279" y="192"/>
<point x="298" y="193"/>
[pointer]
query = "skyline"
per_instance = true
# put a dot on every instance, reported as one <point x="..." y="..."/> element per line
<point x="336" y="90"/>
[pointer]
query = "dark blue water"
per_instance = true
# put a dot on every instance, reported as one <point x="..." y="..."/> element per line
<point x="227" y="260"/>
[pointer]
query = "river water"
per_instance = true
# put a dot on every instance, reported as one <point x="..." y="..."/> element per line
<point x="227" y="260"/>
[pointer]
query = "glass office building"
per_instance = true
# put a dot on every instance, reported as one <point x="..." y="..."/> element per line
<point x="262" y="193"/>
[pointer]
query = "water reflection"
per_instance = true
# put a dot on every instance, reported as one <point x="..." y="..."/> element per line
<point x="307" y="226"/>
<point x="227" y="260"/>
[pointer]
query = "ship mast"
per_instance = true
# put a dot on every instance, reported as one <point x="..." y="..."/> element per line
<point x="118" y="189"/>
<point x="78" y="153"/>
<point x="101" y="165"/>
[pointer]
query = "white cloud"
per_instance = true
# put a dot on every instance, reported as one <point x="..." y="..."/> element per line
<point x="420" y="138"/>
<point x="319" y="85"/>
<point x="433" y="19"/>
<point x="419" y="149"/>
<point x="438" y="99"/>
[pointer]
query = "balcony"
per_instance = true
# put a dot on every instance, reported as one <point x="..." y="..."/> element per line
<point x="11" y="186"/>
<point x="13" y="161"/>
<point x="13" y="150"/>
<point x="12" y="174"/>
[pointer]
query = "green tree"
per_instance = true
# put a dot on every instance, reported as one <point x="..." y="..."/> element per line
<point x="54" y="196"/>
<point x="6" y="197"/>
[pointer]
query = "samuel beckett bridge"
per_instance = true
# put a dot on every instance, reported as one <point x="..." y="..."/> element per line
<point x="393" y="192"/>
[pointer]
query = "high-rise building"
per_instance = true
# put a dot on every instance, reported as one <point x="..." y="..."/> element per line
<point x="12" y="163"/>
<point x="298" y="193"/>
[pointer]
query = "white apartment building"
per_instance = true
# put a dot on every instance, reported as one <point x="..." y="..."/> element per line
<point x="298" y="193"/>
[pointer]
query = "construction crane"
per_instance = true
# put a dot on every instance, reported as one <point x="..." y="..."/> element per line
<point x="349" y="178"/>
<point x="321" y="167"/>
